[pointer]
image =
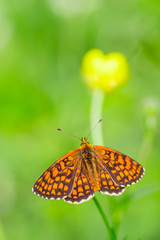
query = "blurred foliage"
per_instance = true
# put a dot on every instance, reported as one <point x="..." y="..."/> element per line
<point x="42" y="44"/>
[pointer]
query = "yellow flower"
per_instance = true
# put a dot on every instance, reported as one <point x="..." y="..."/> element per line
<point x="106" y="72"/>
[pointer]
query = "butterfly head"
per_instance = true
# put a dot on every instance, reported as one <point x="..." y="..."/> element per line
<point x="84" y="141"/>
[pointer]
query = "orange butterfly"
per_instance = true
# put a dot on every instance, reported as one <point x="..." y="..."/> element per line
<point x="78" y="174"/>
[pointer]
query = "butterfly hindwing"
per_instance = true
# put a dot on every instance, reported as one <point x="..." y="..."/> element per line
<point x="57" y="181"/>
<point x="122" y="169"/>
<point x="82" y="189"/>
<point x="108" y="186"/>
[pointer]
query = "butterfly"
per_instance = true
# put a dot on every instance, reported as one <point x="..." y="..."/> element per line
<point x="77" y="175"/>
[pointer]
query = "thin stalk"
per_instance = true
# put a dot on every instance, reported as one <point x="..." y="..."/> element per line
<point x="150" y="125"/>
<point x="105" y="220"/>
<point x="96" y="115"/>
<point x="146" y="147"/>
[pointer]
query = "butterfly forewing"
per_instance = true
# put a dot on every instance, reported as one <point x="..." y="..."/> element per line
<point x="57" y="181"/>
<point x="123" y="170"/>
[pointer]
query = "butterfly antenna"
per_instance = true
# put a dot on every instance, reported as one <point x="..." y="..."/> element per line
<point x="94" y="127"/>
<point x="59" y="129"/>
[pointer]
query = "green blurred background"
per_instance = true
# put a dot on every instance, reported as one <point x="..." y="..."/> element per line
<point x="41" y="47"/>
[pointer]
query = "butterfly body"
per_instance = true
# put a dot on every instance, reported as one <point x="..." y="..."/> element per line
<point x="78" y="174"/>
<point x="90" y="165"/>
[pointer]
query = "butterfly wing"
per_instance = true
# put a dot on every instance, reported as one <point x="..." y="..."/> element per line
<point x="107" y="185"/>
<point x="82" y="189"/>
<point x="57" y="181"/>
<point x="84" y="184"/>
<point x="123" y="170"/>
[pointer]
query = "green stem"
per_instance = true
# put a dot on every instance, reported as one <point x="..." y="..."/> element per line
<point x="145" y="148"/>
<point x="150" y="126"/>
<point x="105" y="220"/>
<point x="96" y="114"/>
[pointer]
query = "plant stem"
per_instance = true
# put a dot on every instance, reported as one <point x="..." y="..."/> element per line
<point x="146" y="147"/>
<point x="96" y="114"/>
<point x="105" y="220"/>
<point x="150" y="126"/>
